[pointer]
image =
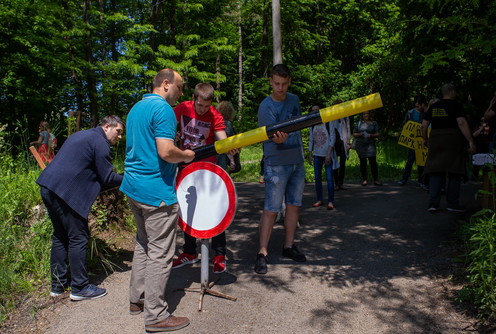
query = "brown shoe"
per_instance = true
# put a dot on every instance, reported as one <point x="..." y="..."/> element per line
<point x="172" y="323"/>
<point x="135" y="308"/>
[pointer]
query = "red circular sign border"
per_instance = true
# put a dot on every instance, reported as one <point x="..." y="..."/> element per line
<point x="231" y="191"/>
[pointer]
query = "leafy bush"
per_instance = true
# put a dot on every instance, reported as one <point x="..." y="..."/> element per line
<point x="24" y="229"/>
<point x="25" y="246"/>
<point x="481" y="260"/>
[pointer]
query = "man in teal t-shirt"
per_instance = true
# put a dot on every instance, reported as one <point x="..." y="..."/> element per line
<point x="149" y="173"/>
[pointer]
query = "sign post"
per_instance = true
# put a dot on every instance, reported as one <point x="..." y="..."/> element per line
<point x="207" y="205"/>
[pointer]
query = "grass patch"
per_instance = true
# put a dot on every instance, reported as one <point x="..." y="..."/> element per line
<point x="25" y="247"/>
<point x="391" y="159"/>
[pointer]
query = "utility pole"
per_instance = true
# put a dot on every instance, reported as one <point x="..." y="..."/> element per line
<point x="276" y="31"/>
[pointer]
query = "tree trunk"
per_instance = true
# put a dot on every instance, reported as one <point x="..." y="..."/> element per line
<point x="265" y="63"/>
<point x="103" y="50"/>
<point x="90" y="76"/>
<point x="156" y="9"/>
<point x="80" y="102"/>
<point x="154" y="21"/>
<point x="240" y="65"/>
<point x="217" y="76"/>
<point x="113" y="103"/>
<point x="276" y="32"/>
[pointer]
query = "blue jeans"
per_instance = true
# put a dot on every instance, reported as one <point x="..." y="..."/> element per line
<point x="284" y="182"/>
<point x="318" y="162"/>
<point x="69" y="240"/>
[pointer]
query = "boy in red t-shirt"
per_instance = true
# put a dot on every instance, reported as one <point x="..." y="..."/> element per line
<point x="200" y="124"/>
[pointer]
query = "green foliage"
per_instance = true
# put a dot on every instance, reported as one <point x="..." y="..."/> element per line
<point x="250" y="160"/>
<point x="481" y="259"/>
<point x="24" y="249"/>
<point x="100" y="58"/>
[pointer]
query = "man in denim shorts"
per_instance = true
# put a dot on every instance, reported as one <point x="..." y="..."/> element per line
<point x="284" y="172"/>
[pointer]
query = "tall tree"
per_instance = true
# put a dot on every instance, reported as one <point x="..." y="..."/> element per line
<point x="100" y="56"/>
<point x="32" y="65"/>
<point x="276" y="32"/>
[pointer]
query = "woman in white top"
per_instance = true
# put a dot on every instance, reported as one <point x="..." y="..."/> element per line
<point x="322" y="154"/>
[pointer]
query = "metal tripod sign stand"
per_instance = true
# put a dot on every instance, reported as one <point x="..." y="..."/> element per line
<point x="207" y="205"/>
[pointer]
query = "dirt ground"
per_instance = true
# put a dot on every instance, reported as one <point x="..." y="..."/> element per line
<point x="378" y="263"/>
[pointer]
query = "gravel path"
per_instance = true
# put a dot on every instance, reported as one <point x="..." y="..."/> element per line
<point x="378" y="263"/>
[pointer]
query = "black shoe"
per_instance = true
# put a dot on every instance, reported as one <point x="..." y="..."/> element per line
<point x="90" y="291"/>
<point x="294" y="254"/>
<point x="261" y="264"/>
<point x="57" y="290"/>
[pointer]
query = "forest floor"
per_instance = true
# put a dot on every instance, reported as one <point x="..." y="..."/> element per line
<point x="378" y="263"/>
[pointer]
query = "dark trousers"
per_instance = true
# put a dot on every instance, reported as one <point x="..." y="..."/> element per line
<point x="339" y="173"/>
<point x="218" y="244"/>
<point x="373" y="168"/>
<point x="69" y="240"/>
<point x="408" y="167"/>
<point x="436" y="183"/>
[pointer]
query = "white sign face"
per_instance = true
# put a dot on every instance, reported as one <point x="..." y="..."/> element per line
<point x="203" y="200"/>
<point x="207" y="199"/>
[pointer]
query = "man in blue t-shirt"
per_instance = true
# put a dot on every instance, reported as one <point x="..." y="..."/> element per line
<point x="149" y="183"/>
<point x="284" y="172"/>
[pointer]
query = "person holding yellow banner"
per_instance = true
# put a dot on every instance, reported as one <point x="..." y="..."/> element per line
<point x="415" y="115"/>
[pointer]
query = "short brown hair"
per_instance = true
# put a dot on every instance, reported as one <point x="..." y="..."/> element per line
<point x="280" y="70"/>
<point x="204" y="90"/>
<point x="165" y="74"/>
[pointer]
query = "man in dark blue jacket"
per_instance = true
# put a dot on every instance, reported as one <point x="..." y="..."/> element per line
<point x="69" y="186"/>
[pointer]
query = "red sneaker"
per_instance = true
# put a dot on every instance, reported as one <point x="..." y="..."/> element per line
<point x="184" y="259"/>
<point x="219" y="264"/>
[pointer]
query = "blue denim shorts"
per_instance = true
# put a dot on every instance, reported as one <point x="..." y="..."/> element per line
<point x="284" y="182"/>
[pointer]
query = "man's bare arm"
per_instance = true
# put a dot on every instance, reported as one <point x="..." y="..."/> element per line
<point x="172" y="154"/>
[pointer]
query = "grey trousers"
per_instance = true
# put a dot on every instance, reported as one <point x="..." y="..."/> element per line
<point x="152" y="259"/>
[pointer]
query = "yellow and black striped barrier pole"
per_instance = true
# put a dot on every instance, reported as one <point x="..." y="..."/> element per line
<point x="263" y="133"/>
